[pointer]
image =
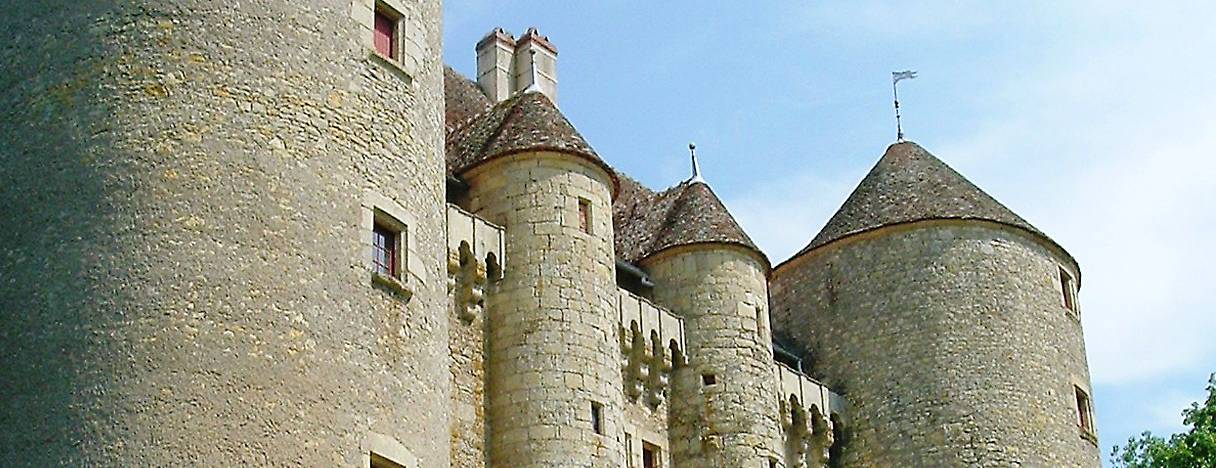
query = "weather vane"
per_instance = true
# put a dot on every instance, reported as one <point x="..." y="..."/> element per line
<point x="696" y="168"/>
<point x="896" y="77"/>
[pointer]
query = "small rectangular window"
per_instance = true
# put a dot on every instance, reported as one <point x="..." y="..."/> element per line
<point x="650" y="455"/>
<point x="597" y="417"/>
<point x="1085" y="417"/>
<point x="584" y="215"/>
<point x="385" y="37"/>
<point x="381" y="462"/>
<point x="386" y="251"/>
<point x="1069" y="290"/>
<point x="709" y="379"/>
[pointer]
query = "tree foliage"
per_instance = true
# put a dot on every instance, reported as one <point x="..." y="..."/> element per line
<point x="1194" y="448"/>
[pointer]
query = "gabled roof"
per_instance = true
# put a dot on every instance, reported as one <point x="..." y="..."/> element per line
<point x="647" y="223"/>
<point x="524" y="122"/>
<point x="910" y="184"/>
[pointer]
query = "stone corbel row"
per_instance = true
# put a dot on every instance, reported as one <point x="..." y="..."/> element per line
<point x="808" y="435"/>
<point x="647" y="370"/>
<point x="467" y="281"/>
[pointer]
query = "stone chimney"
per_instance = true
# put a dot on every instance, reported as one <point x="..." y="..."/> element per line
<point x="495" y="71"/>
<point x="504" y="64"/>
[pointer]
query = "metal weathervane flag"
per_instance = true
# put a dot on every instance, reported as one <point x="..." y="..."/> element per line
<point x="903" y="75"/>
<point x="896" y="77"/>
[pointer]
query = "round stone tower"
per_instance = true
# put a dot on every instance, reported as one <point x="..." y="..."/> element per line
<point x="723" y="405"/>
<point x="948" y="322"/>
<point x="554" y="390"/>
<point x="189" y="191"/>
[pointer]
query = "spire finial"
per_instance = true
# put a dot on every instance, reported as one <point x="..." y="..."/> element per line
<point x="696" y="168"/>
<point x="534" y="87"/>
<point x="896" y="77"/>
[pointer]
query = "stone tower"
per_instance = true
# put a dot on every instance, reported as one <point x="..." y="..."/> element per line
<point x="190" y="191"/>
<point x="553" y="381"/>
<point x="723" y="404"/>
<point x="950" y="323"/>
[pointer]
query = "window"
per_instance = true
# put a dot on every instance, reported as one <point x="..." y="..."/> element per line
<point x="387" y="247"/>
<point x="650" y="455"/>
<point x="709" y="379"/>
<point x="1069" y="290"/>
<point x="597" y="417"/>
<point x="584" y="215"/>
<point x="385" y="34"/>
<point x="628" y="450"/>
<point x="381" y="462"/>
<point x="1085" y="416"/>
<point x="386" y="251"/>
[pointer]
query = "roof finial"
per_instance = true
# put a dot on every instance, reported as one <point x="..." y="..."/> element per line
<point x="534" y="87"/>
<point x="696" y="168"/>
<point x="895" y="79"/>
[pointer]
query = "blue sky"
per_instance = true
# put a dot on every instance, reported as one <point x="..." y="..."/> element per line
<point x="1094" y="120"/>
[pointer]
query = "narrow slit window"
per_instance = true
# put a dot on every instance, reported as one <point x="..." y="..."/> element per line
<point x="386" y="251"/>
<point x="1068" y="288"/>
<point x="628" y="450"/>
<point x="584" y="215"/>
<point x="385" y="37"/>
<point x="597" y="417"/>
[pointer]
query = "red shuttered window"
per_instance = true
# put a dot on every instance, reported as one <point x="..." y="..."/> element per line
<point x="386" y="35"/>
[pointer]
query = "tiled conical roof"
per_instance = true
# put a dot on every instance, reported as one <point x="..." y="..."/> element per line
<point x="525" y="122"/>
<point x="462" y="99"/>
<point x="690" y="213"/>
<point x="910" y="184"/>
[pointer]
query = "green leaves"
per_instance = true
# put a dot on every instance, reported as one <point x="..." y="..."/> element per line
<point x="1195" y="448"/>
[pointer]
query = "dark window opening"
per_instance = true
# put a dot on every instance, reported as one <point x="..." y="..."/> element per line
<point x="1069" y="289"/>
<point x="597" y="417"/>
<point x="709" y="379"/>
<point x="381" y="462"/>
<point x="1084" y="412"/>
<point x="650" y="455"/>
<point x="385" y="251"/>
<point x="584" y="215"/>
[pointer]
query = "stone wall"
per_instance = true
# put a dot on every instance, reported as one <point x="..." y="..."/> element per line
<point x="184" y="262"/>
<point x="724" y="401"/>
<point x="652" y="347"/>
<point x="950" y="341"/>
<point x="552" y="339"/>
<point x="475" y="265"/>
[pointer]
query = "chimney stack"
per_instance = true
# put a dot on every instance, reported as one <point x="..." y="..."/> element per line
<point x="504" y="64"/>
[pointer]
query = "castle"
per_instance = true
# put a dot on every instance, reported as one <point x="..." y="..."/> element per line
<point x="284" y="233"/>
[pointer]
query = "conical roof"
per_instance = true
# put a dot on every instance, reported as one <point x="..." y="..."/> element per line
<point x="910" y="184"/>
<point x="462" y="99"/>
<point x="525" y="122"/>
<point x="647" y="223"/>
